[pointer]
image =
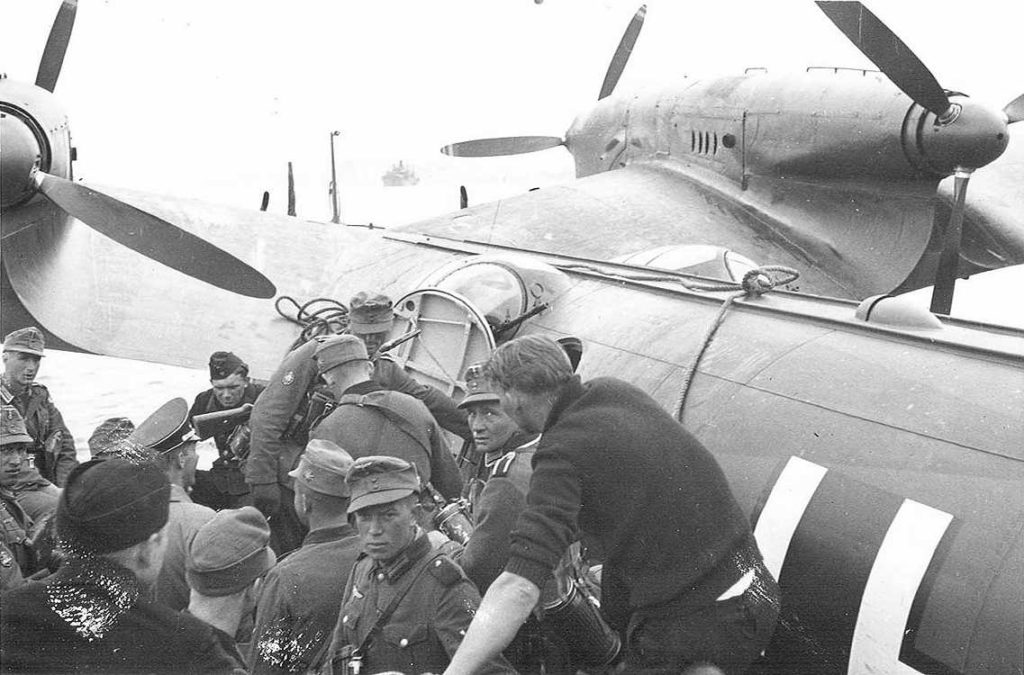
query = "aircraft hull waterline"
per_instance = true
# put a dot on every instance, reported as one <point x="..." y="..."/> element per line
<point x="929" y="416"/>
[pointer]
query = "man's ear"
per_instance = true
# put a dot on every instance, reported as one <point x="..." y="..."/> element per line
<point x="146" y="552"/>
<point x="181" y="460"/>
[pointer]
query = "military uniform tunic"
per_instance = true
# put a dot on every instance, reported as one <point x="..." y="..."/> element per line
<point x="183" y="521"/>
<point x="299" y="600"/>
<point x="54" y="446"/>
<point x="428" y="625"/>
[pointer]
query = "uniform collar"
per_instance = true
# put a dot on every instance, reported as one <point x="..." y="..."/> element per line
<point x="327" y="534"/>
<point x="361" y="388"/>
<point x="404" y="561"/>
<point x="517" y="441"/>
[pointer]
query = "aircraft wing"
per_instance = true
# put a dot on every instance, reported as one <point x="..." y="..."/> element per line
<point x="846" y="239"/>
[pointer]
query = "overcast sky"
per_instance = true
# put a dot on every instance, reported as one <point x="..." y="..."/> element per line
<point x="211" y="99"/>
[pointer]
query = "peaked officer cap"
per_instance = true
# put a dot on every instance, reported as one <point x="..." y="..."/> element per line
<point x="165" y="429"/>
<point x="479" y="388"/>
<point x="28" y="340"/>
<point x="380" y="480"/>
<point x="370" y="313"/>
<point x="224" y="364"/>
<point x="323" y="468"/>
<point x="12" y="427"/>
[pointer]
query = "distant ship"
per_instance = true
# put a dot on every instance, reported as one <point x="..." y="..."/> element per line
<point x="399" y="174"/>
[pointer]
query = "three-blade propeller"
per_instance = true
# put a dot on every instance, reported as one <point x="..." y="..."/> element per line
<point x="517" y="145"/>
<point x="138" y="230"/>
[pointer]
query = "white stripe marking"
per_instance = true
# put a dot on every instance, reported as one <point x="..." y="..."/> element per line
<point x="896" y="574"/>
<point x="785" y="507"/>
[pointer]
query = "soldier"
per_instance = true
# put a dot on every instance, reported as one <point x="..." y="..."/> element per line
<point x="226" y="557"/>
<point x="370" y="420"/>
<point x="224" y="486"/>
<point x="281" y="417"/>
<point x="93" y="614"/>
<point x="53" y="449"/>
<point x="299" y="599"/>
<point x="683" y="578"/>
<point x="17" y="559"/>
<point x="406" y="605"/>
<point x="167" y="437"/>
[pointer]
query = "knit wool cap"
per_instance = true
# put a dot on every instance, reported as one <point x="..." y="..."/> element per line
<point x="379" y="479"/>
<point x="28" y="340"/>
<point x="337" y="350"/>
<point x="224" y="364"/>
<point x="229" y="552"/>
<point x="110" y="435"/>
<point x="370" y="313"/>
<point x="323" y="468"/>
<point x="110" y="505"/>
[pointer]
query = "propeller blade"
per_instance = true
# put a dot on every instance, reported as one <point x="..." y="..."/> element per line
<point x="499" y="147"/>
<point x="155" y="238"/>
<point x="1015" y="110"/>
<point x="877" y="42"/>
<point x="265" y="202"/>
<point x="949" y="261"/>
<point x="622" y="52"/>
<point x="56" y="45"/>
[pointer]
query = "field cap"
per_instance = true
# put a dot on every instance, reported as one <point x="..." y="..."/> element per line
<point x="479" y="388"/>
<point x="110" y="505"/>
<point x="12" y="427"/>
<point x="323" y="468"/>
<point x="224" y="364"/>
<point x="28" y="340"/>
<point x="229" y="552"/>
<point x="337" y="350"/>
<point x="165" y="429"/>
<point x="379" y="479"/>
<point x="110" y="436"/>
<point x="370" y="313"/>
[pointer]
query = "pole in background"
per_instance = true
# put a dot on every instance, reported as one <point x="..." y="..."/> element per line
<point x="335" y="202"/>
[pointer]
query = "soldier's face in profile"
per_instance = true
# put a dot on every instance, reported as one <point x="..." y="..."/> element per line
<point x="386" y="529"/>
<point x="12" y="456"/>
<point x="490" y="425"/>
<point x="21" y="368"/>
<point x="529" y="412"/>
<point x="230" y="390"/>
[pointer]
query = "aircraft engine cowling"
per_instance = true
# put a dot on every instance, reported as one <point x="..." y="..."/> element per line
<point x="974" y="136"/>
<point x="22" y="153"/>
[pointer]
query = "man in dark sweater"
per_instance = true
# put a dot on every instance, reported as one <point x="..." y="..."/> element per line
<point x="683" y="579"/>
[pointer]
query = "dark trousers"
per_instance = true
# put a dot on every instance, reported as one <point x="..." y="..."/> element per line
<point x="729" y="634"/>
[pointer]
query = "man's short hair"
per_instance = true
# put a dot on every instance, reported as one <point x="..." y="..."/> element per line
<point x="532" y="364"/>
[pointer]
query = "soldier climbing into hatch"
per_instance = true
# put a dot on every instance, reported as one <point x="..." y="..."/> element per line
<point x="295" y="398"/>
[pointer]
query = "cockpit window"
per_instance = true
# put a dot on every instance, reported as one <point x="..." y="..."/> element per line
<point x="495" y="290"/>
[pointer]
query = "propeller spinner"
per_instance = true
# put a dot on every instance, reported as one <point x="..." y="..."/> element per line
<point x="31" y="150"/>
<point x="963" y="135"/>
